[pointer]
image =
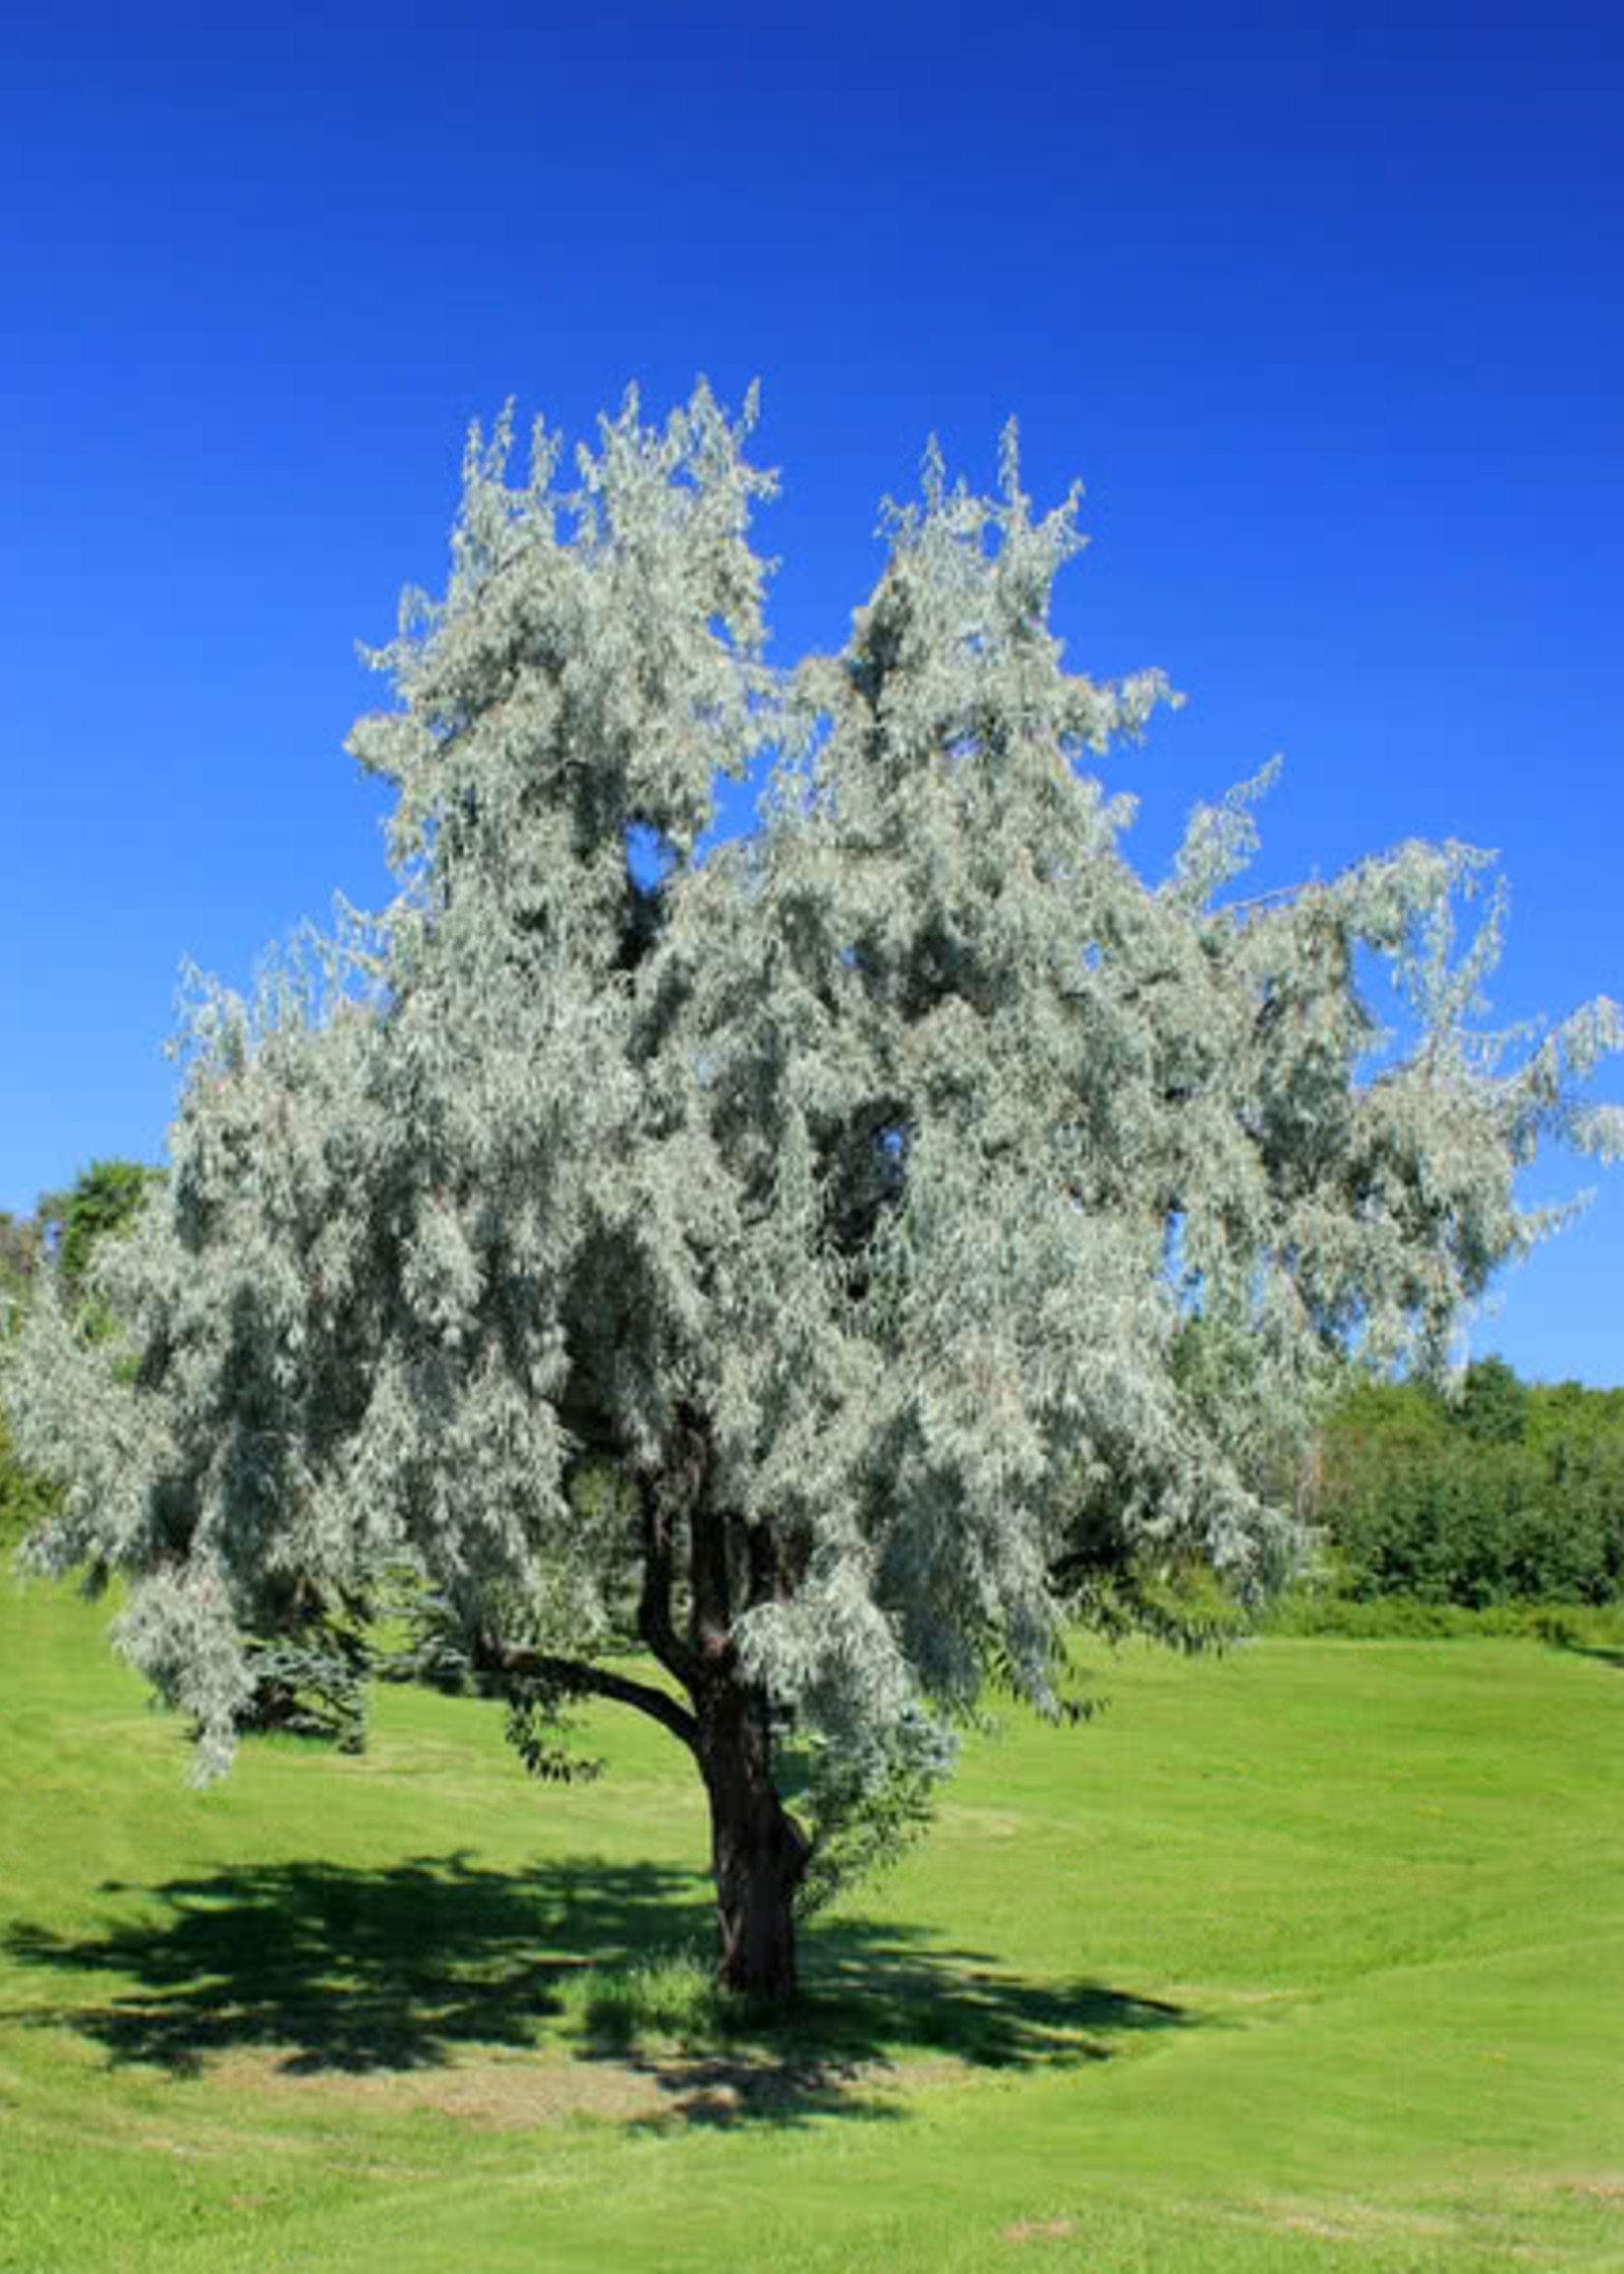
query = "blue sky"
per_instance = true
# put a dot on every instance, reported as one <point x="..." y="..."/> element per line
<point x="1322" y="305"/>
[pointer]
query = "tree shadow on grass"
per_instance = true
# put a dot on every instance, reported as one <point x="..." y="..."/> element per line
<point x="874" y="1999"/>
<point x="347" y="1968"/>
<point x="1603" y="1654"/>
<point x="332" y="1969"/>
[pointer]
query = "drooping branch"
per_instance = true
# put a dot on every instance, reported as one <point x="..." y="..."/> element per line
<point x="577" y="1678"/>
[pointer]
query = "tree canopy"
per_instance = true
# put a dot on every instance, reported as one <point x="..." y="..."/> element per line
<point x="936" y="1226"/>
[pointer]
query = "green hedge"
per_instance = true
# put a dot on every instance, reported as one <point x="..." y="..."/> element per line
<point x="1311" y="1612"/>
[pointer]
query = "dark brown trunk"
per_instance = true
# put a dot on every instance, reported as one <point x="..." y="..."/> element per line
<point x="758" y="1851"/>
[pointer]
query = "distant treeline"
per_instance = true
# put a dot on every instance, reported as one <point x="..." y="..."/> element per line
<point x="1508" y="1492"/>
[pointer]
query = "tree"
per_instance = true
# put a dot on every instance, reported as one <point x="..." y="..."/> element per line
<point x="1494" y="1404"/>
<point x="847" y="1191"/>
<point x="18" y="1258"/>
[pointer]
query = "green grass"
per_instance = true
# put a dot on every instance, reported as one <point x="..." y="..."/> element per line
<point x="1307" y="1957"/>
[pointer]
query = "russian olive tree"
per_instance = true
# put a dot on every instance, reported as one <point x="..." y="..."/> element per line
<point x="935" y="1228"/>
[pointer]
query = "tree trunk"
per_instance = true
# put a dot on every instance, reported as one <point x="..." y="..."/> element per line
<point x="758" y="1851"/>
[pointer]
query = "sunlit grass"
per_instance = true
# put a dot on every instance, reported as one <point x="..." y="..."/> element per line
<point x="1309" y="1956"/>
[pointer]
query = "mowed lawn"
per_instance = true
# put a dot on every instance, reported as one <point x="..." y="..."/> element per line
<point x="1308" y="1957"/>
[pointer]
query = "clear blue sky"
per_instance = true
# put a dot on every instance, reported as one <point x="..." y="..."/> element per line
<point x="1325" y="306"/>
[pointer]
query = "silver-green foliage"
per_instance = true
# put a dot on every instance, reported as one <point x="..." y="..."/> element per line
<point x="854" y="1186"/>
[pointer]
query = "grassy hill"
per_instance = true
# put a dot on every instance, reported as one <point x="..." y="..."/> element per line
<point x="1307" y="1957"/>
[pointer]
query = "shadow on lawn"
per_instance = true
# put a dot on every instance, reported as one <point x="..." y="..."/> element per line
<point x="1601" y="1653"/>
<point x="332" y="1969"/>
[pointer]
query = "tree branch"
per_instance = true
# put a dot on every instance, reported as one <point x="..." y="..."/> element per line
<point x="1265" y="900"/>
<point x="777" y="1565"/>
<point x="654" y="1604"/>
<point x="578" y="1678"/>
<point x="709" y="1559"/>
